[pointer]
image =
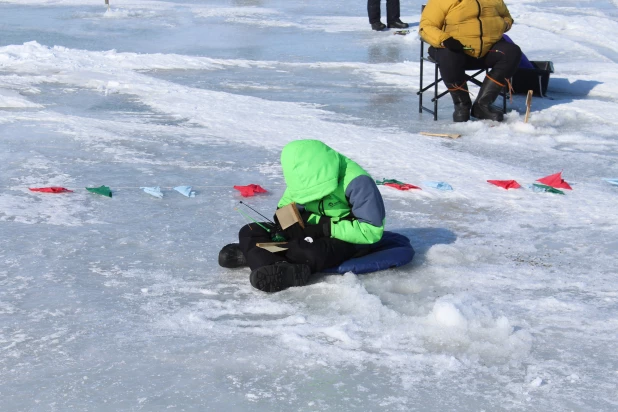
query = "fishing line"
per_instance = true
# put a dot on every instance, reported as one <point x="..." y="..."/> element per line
<point x="255" y="221"/>
<point x="243" y="203"/>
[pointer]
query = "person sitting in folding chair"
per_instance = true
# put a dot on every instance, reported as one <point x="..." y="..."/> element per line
<point x="467" y="34"/>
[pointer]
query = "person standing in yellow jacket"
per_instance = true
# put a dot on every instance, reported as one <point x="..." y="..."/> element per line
<point x="467" y="34"/>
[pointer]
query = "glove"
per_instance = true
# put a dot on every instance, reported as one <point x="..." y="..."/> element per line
<point x="294" y="232"/>
<point x="453" y="45"/>
<point x="314" y="231"/>
<point x="322" y="229"/>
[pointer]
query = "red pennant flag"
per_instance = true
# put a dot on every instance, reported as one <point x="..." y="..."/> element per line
<point x="507" y="184"/>
<point x="250" y="190"/>
<point x="402" y="186"/>
<point x="394" y="183"/>
<point x="52" y="189"/>
<point x="555" y="181"/>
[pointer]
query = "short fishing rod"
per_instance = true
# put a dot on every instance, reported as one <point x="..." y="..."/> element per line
<point x="242" y="203"/>
<point x="250" y="218"/>
<point x="276" y="237"/>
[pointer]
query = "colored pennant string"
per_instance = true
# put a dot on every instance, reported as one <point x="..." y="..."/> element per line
<point x="101" y="190"/>
<point x="396" y="184"/>
<point x="52" y="189"/>
<point x="185" y="191"/>
<point x="555" y="181"/>
<point x="506" y="184"/>
<point x="153" y="191"/>
<point x="250" y="190"/>
<point x="535" y="187"/>
<point x="438" y="185"/>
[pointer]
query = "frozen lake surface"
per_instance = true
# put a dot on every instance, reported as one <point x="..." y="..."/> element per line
<point x="511" y="302"/>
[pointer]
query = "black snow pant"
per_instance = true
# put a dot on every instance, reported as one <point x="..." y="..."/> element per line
<point x="392" y="11"/>
<point x="503" y="59"/>
<point x="322" y="254"/>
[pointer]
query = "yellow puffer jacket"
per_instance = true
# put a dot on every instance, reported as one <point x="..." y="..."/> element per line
<point x="478" y="24"/>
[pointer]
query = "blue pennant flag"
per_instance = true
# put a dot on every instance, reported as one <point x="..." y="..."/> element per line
<point x="185" y="191"/>
<point x="611" y="181"/>
<point x="153" y="191"/>
<point x="439" y="185"/>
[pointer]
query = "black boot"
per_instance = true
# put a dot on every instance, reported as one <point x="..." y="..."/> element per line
<point x="231" y="256"/>
<point x="279" y="276"/>
<point x="482" y="107"/>
<point x="398" y="24"/>
<point x="462" y="102"/>
<point x="379" y="26"/>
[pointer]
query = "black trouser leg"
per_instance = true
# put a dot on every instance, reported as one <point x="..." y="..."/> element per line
<point x="257" y="257"/>
<point x="503" y="58"/>
<point x="322" y="254"/>
<point x="392" y="11"/>
<point x="452" y="65"/>
<point x="453" y="71"/>
<point x="373" y="11"/>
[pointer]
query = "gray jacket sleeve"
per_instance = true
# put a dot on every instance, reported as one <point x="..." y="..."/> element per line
<point x="366" y="200"/>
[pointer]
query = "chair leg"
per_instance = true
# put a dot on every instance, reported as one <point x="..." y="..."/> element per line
<point x="435" y="84"/>
<point x="420" y="95"/>
<point x="435" y="94"/>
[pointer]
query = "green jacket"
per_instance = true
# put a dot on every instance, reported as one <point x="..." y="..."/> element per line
<point x="329" y="184"/>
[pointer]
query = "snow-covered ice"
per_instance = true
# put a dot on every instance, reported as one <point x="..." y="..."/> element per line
<point x="118" y="303"/>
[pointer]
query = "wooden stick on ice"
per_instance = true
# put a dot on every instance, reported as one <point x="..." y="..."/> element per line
<point x="528" y="104"/>
<point x="450" y="135"/>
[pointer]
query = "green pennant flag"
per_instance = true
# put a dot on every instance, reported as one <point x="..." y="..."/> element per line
<point x="385" y="181"/>
<point x="397" y="184"/>
<point x="548" y="189"/>
<point x="101" y="190"/>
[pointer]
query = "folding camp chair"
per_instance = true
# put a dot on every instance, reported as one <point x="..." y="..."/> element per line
<point x="437" y="79"/>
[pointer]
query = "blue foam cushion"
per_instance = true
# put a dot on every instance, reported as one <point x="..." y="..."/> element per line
<point x="391" y="251"/>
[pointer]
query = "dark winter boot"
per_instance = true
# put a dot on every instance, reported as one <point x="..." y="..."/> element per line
<point x="398" y="24"/>
<point x="482" y="107"/>
<point x="231" y="256"/>
<point x="379" y="26"/>
<point x="279" y="276"/>
<point x="462" y="102"/>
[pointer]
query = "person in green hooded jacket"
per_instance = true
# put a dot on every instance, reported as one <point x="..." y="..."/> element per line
<point x="341" y="207"/>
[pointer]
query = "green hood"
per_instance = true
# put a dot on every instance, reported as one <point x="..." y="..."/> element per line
<point x="310" y="169"/>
